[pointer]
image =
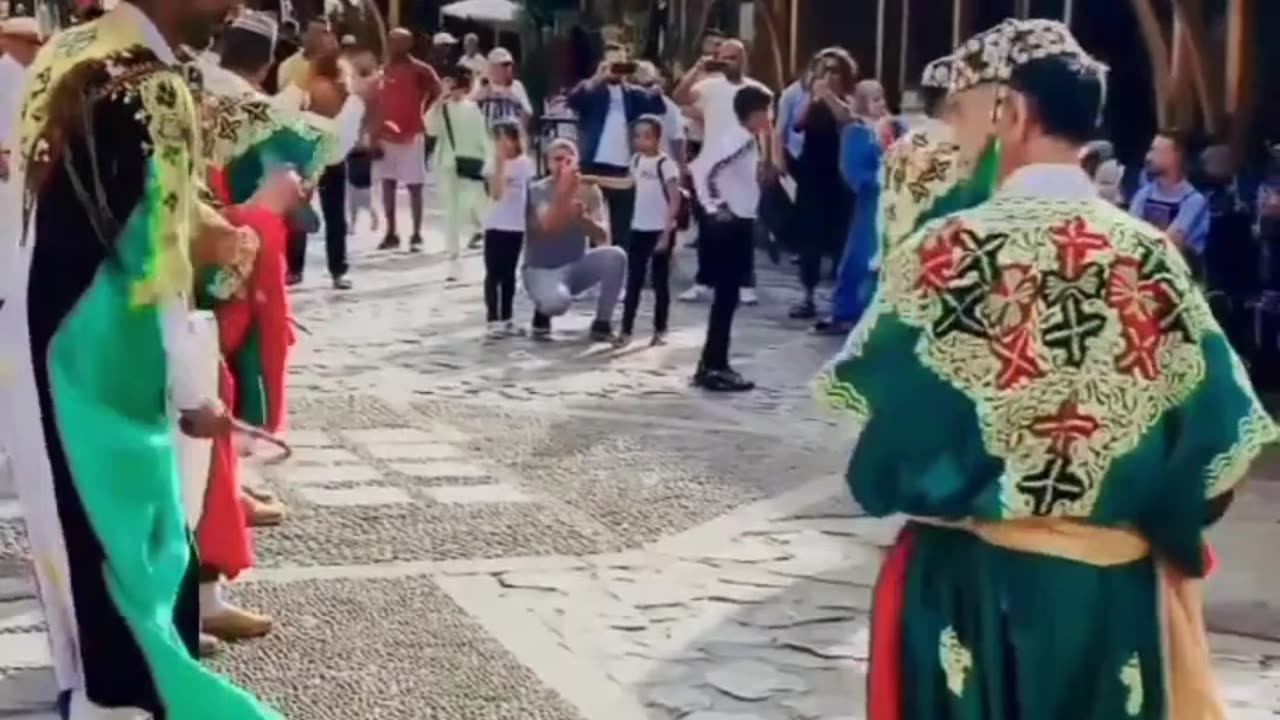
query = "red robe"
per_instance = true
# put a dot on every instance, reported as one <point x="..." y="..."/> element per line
<point x="261" y="314"/>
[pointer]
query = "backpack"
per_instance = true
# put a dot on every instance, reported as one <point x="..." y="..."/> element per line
<point x="683" y="214"/>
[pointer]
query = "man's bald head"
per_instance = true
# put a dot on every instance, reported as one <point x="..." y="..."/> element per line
<point x="733" y="53"/>
<point x="400" y="42"/>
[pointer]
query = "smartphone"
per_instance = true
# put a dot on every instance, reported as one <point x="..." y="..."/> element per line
<point x="714" y="65"/>
<point x="625" y="67"/>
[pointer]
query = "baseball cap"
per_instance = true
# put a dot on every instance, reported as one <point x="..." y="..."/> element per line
<point x="443" y="38"/>
<point x="500" y="56"/>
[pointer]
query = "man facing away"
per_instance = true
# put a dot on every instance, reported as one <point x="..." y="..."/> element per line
<point x="408" y="87"/>
<point x="100" y="358"/>
<point x="1171" y="202"/>
<point x="564" y="218"/>
<point x="1085" y="420"/>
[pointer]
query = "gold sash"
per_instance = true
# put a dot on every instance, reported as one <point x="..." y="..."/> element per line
<point x="1191" y="691"/>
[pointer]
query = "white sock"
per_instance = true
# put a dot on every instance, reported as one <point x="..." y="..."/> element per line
<point x="211" y="599"/>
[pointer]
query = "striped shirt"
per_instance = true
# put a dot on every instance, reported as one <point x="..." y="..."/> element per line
<point x="508" y="103"/>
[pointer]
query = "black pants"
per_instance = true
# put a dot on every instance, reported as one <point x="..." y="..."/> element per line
<point x="703" y="276"/>
<point x="333" y="205"/>
<point x="501" y="254"/>
<point x="639" y="255"/>
<point x="622" y="207"/>
<point x="621" y="203"/>
<point x="730" y="252"/>
<point x="824" y="209"/>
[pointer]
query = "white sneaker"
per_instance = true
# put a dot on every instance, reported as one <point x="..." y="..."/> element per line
<point x="748" y="296"/>
<point x="511" y="329"/>
<point x="697" y="293"/>
<point x="496" y="330"/>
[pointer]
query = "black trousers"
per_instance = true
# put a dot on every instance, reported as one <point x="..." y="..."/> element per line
<point x="621" y="203"/>
<point x="501" y="255"/>
<point x="622" y="207"/>
<point x="824" y="209"/>
<point x="731" y="254"/>
<point x="333" y="206"/>
<point x="639" y="255"/>
<point x="703" y="277"/>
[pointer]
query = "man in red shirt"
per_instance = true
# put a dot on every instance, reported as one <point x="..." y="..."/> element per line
<point x="408" y="87"/>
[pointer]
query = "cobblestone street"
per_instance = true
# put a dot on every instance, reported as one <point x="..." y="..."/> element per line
<point x="510" y="530"/>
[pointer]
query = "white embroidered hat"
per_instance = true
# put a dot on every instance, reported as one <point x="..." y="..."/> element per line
<point x="259" y="23"/>
<point x="993" y="55"/>
<point x="25" y="27"/>
<point x="937" y="74"/>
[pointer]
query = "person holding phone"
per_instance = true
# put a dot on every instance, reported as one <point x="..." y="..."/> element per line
<point x="709" y="88"/>
<point x="607" y="104"/>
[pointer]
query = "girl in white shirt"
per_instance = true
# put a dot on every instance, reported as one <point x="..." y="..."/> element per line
<point x="507" y="172"/>
<point x="658" y="199"/>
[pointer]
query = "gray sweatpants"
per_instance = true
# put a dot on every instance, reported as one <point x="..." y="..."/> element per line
<point x="553" y="290"/>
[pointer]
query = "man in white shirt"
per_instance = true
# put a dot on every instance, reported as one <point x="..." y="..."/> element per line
<point x="472" y="58"/>
<point x="708" y="89"/>
<point x="725" y="177"/>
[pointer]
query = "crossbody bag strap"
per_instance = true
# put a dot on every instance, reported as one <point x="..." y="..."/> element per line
<point x="662" y="180"/>
<point x="448" y="127"/>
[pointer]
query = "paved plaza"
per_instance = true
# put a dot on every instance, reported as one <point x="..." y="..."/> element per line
<point x="509" y="530"/>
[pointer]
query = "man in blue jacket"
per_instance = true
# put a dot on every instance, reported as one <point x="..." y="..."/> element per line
<point x="606" y="105"/>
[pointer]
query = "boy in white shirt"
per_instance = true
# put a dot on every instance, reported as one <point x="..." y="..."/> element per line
<point x="726" y="176"/>
<point x="507" y="172"/>
<point x="657" y="182"/>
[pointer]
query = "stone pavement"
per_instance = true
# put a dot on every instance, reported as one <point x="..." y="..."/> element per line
<point x="511" y="530"/>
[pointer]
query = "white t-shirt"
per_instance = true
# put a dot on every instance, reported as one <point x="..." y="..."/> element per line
<point x="651" y="200"/>
<point x="715" y="101"/>
<point x="615" y="145"/>
<point x="672" y="125"/>
<point x="509" y="213"/>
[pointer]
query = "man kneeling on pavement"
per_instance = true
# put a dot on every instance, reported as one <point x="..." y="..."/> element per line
<point x="564" y="218"/>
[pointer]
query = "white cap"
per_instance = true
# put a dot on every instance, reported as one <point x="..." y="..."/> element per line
<point x="21" y="27"/>
<point x="500" y="56"/>
<point x="348" y="40"/>
<point x="256" y="22"/>
<point x="443" y="38"/>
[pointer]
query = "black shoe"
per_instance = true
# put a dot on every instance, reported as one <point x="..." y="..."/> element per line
<point x="476" y="241"/>
<point x="341" y="283"/>
<point x="832" y="327"/>
<point x="602" y="331"/>
<point x="415" y="244"/>
<point x="293" y="279"/>
<point x="804" y="311"/>
<point x="726" y="381"/>
<point x="390" y="242"/>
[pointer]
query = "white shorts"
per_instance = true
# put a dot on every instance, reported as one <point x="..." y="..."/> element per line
<point x="405" y="163"/>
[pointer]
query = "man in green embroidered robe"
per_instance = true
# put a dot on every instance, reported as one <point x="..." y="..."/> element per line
<point x="1076" y="419"/>
<point x="113" y="162"/>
